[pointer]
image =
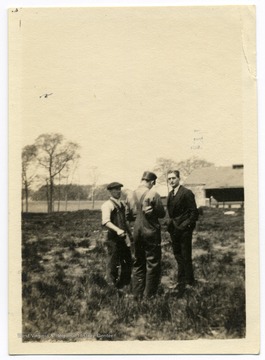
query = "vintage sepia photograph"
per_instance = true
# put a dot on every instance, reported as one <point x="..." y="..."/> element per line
<point x="133" y="191"/>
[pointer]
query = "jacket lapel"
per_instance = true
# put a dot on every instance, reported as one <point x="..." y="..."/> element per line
<point x="170" y="198"/>
<point x="177" y="197"/>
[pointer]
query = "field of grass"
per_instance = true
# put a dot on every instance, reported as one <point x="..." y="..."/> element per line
<point x="66" y="296"/>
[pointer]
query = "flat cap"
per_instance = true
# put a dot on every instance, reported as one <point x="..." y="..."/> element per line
<point x="114" y="185"/>
<point x="149" y="176"/>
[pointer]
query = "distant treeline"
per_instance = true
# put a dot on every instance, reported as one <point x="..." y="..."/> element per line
<point x="72" y="192"/>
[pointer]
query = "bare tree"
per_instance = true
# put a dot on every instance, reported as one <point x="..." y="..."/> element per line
<point x="64" y="174"/>
<point x="59" y="192"/>
<point x="29" y="169"/>
<point x="94" y="176"/>
<point x="185" y="167"/>
<point x="54" y="155"/>
<point x="69" y="171"/>
<point x="162" y="167"/>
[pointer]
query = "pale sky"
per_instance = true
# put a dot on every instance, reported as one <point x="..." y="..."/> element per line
<point x="134" y="84"/>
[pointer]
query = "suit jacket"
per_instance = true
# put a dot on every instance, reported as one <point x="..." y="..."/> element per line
<point x="182" y="209"/>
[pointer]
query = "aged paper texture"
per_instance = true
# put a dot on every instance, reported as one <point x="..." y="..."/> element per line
<point x="131" y="85"/>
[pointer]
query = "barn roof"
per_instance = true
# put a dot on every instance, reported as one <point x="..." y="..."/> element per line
<point x="217" y="177"/>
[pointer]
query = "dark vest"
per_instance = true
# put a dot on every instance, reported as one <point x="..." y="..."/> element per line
<point x="117" y="217"/>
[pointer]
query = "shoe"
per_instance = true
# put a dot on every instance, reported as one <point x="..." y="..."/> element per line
<point x="180" y="286"/>
<point x="191" y="284"/>
<point x="189" y="287"/>
<point x="179" y="290"/>
<point x="121" y="293"/>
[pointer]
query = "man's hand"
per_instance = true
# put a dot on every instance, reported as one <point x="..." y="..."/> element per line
<point x="148" y="210"/>
<point x="121" y="233"/>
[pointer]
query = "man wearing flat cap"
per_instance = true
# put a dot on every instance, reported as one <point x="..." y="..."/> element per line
<point x="119" y="254"/>
<point x="144" y="206"/>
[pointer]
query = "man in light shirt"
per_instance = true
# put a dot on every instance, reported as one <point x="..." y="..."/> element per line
<point x="119" y="254"/>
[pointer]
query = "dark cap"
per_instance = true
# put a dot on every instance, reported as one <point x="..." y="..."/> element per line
<point x="149" y="176"/>
<point x="114" y="185"/>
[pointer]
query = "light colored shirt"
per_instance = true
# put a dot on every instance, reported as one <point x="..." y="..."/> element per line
<point x="176" y="190"/>
<point x="107" y="208"/>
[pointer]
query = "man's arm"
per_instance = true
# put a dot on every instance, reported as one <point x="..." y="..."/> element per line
<point x="192" y="207"/>
<point x="106" y="221"/>
<point x="130" y="214"/>
<point x="115" y="228"/>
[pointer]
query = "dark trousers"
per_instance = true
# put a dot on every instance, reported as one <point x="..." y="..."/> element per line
<point x="119" y="263"/>
<point x="147" y="266"/>
<point x="182" y="249"/>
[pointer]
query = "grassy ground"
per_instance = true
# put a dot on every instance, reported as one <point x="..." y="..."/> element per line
<point x="66" y="297"/>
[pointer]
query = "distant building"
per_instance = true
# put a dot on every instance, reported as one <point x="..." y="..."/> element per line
<point x="217" y="185"/>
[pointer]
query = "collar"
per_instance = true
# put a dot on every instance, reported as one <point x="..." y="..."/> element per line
<point x="144" y="186"/>
<point x="117" y="201"/>
<point x="176" y="190"/>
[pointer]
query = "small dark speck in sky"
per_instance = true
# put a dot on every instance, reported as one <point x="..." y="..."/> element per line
<point x="45" y="95"/>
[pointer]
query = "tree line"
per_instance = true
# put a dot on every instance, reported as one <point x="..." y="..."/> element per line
<point x="49" y="165"/>
<point x="72" y="192"/>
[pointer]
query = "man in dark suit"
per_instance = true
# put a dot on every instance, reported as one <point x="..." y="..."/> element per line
<point x="183" y="213"/>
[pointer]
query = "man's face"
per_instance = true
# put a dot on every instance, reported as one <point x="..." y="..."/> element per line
<point x="173" y="180"/>
<point x="152" y="183"/>
<point x="116" y="193"/>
